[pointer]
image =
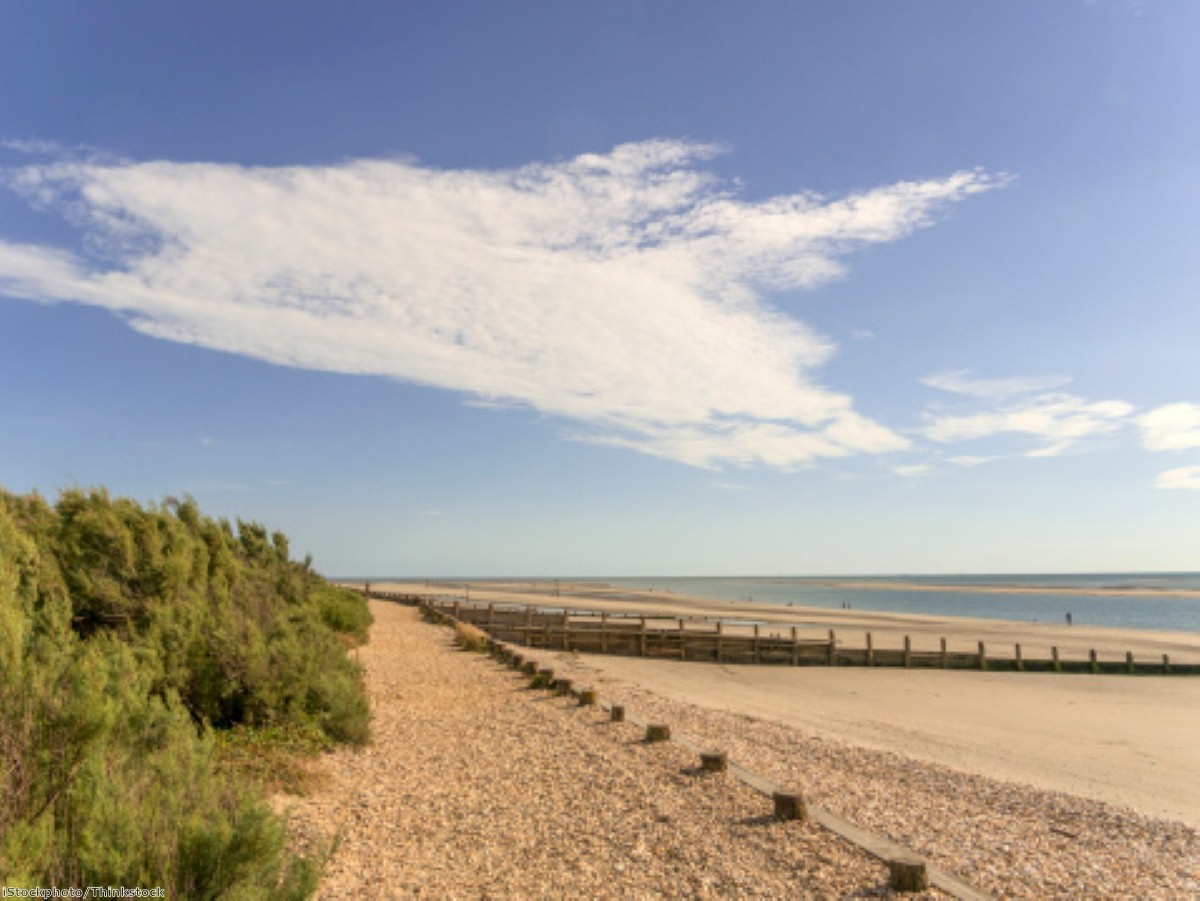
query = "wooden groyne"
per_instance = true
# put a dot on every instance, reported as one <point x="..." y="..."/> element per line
<point x="717" y="641"/>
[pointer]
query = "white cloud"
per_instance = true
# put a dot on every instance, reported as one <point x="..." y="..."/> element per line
<point x="912" y="470"/>
<point x="1059" y="420"/>
<point x="960" y="382"/>
<point x="1171" y="427"/>
<point x="1183" y="477"/>
<point x="970" y="460"/>
<point x="623" y="291"/>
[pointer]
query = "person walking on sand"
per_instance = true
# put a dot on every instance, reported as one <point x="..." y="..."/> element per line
<point x="1068" y="617"/>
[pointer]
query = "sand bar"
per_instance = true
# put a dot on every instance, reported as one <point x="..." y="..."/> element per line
<point x="1093" y="591"/>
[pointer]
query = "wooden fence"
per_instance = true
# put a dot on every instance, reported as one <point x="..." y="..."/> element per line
<point x="707" y="640"/>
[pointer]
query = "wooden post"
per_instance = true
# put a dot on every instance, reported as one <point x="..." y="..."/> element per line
<point x="682" y="641"/>
<point x="658" y="732"/>
<point x="870" y="651"/>
<point x="908" y="874"/>
<point x="832" y="648"/>
<point x="982" y="656"/>
<point x="1054" y="659"/>
<point x="720" y="645"/>
<point x="789" y="806"/>
<point x="943" y="653"/>
<point x="587" y="697"/>
<point x="714" y="761"/>
<point x="566" y="627"/>
<point x="1094" y="665"/>
<point x="562" y="686"/>
<point x="642" y="637"/>
<point x="530" y="668"/>
<point x="491" y="620"/>
<point x="756" y="654"/>
<point x="617" y="713"/>
<point x="795" y="648"/>
<point x="528" y="625"/>
<point x="1166" y="664"/>
<point x="1129" y="662"/>
<point x="603" y="632"/>
<point x="907" y="652"/>
<point x="1020" y="662"/>
<point x="544" y="678"/>
<point x="457" y="609"/>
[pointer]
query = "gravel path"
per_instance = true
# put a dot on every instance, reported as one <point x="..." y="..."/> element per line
<point x="475" y="786"/>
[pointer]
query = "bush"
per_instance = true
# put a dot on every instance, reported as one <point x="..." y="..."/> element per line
<point x="127" y="635"/>
<point x="470" y="638"/>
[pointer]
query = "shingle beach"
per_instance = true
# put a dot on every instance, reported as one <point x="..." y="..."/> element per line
<point x="476" y="786"/>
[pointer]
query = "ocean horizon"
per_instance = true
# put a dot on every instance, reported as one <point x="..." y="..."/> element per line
<point x="1102" y="599"/>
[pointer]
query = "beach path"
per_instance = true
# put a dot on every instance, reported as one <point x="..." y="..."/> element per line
<point x="476" y="786"/>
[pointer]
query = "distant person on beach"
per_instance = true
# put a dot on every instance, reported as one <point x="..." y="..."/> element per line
<point x="1068" y="617"/>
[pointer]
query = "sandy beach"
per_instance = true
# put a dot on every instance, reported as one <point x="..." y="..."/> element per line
<point x="476" y="786"/>
<point x="1128" y="740"/>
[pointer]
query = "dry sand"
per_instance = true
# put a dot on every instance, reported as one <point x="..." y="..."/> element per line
<point x="1128" y="740"/>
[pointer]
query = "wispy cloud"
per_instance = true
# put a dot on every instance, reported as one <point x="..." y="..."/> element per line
<point x="912" y="470"/>
<point x="1059" y="421"/>
<point x="970" y="460"/>
<point x="960" y="382"/>
<point x="624" y="291"/>
<point x="1171" y="427"/>
<point x="1183" y="477"/>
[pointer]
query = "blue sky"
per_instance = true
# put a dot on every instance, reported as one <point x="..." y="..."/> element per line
<point x="602" y="289"/>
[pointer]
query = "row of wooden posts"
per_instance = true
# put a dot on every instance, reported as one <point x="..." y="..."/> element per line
<point x="907" y="872"/>
<point x="640" y="636"/>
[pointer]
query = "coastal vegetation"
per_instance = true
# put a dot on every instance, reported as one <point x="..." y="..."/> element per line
<point x="149" y="655"/>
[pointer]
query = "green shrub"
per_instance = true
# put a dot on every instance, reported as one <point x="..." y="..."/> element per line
<point x="344" y="611"/>
<point x="127" y="634"/>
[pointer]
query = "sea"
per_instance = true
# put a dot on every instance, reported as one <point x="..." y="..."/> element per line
<point x="1090" y="606"/>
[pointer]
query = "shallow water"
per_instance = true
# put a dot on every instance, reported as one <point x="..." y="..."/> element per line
<point x="1180" y="614"/>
